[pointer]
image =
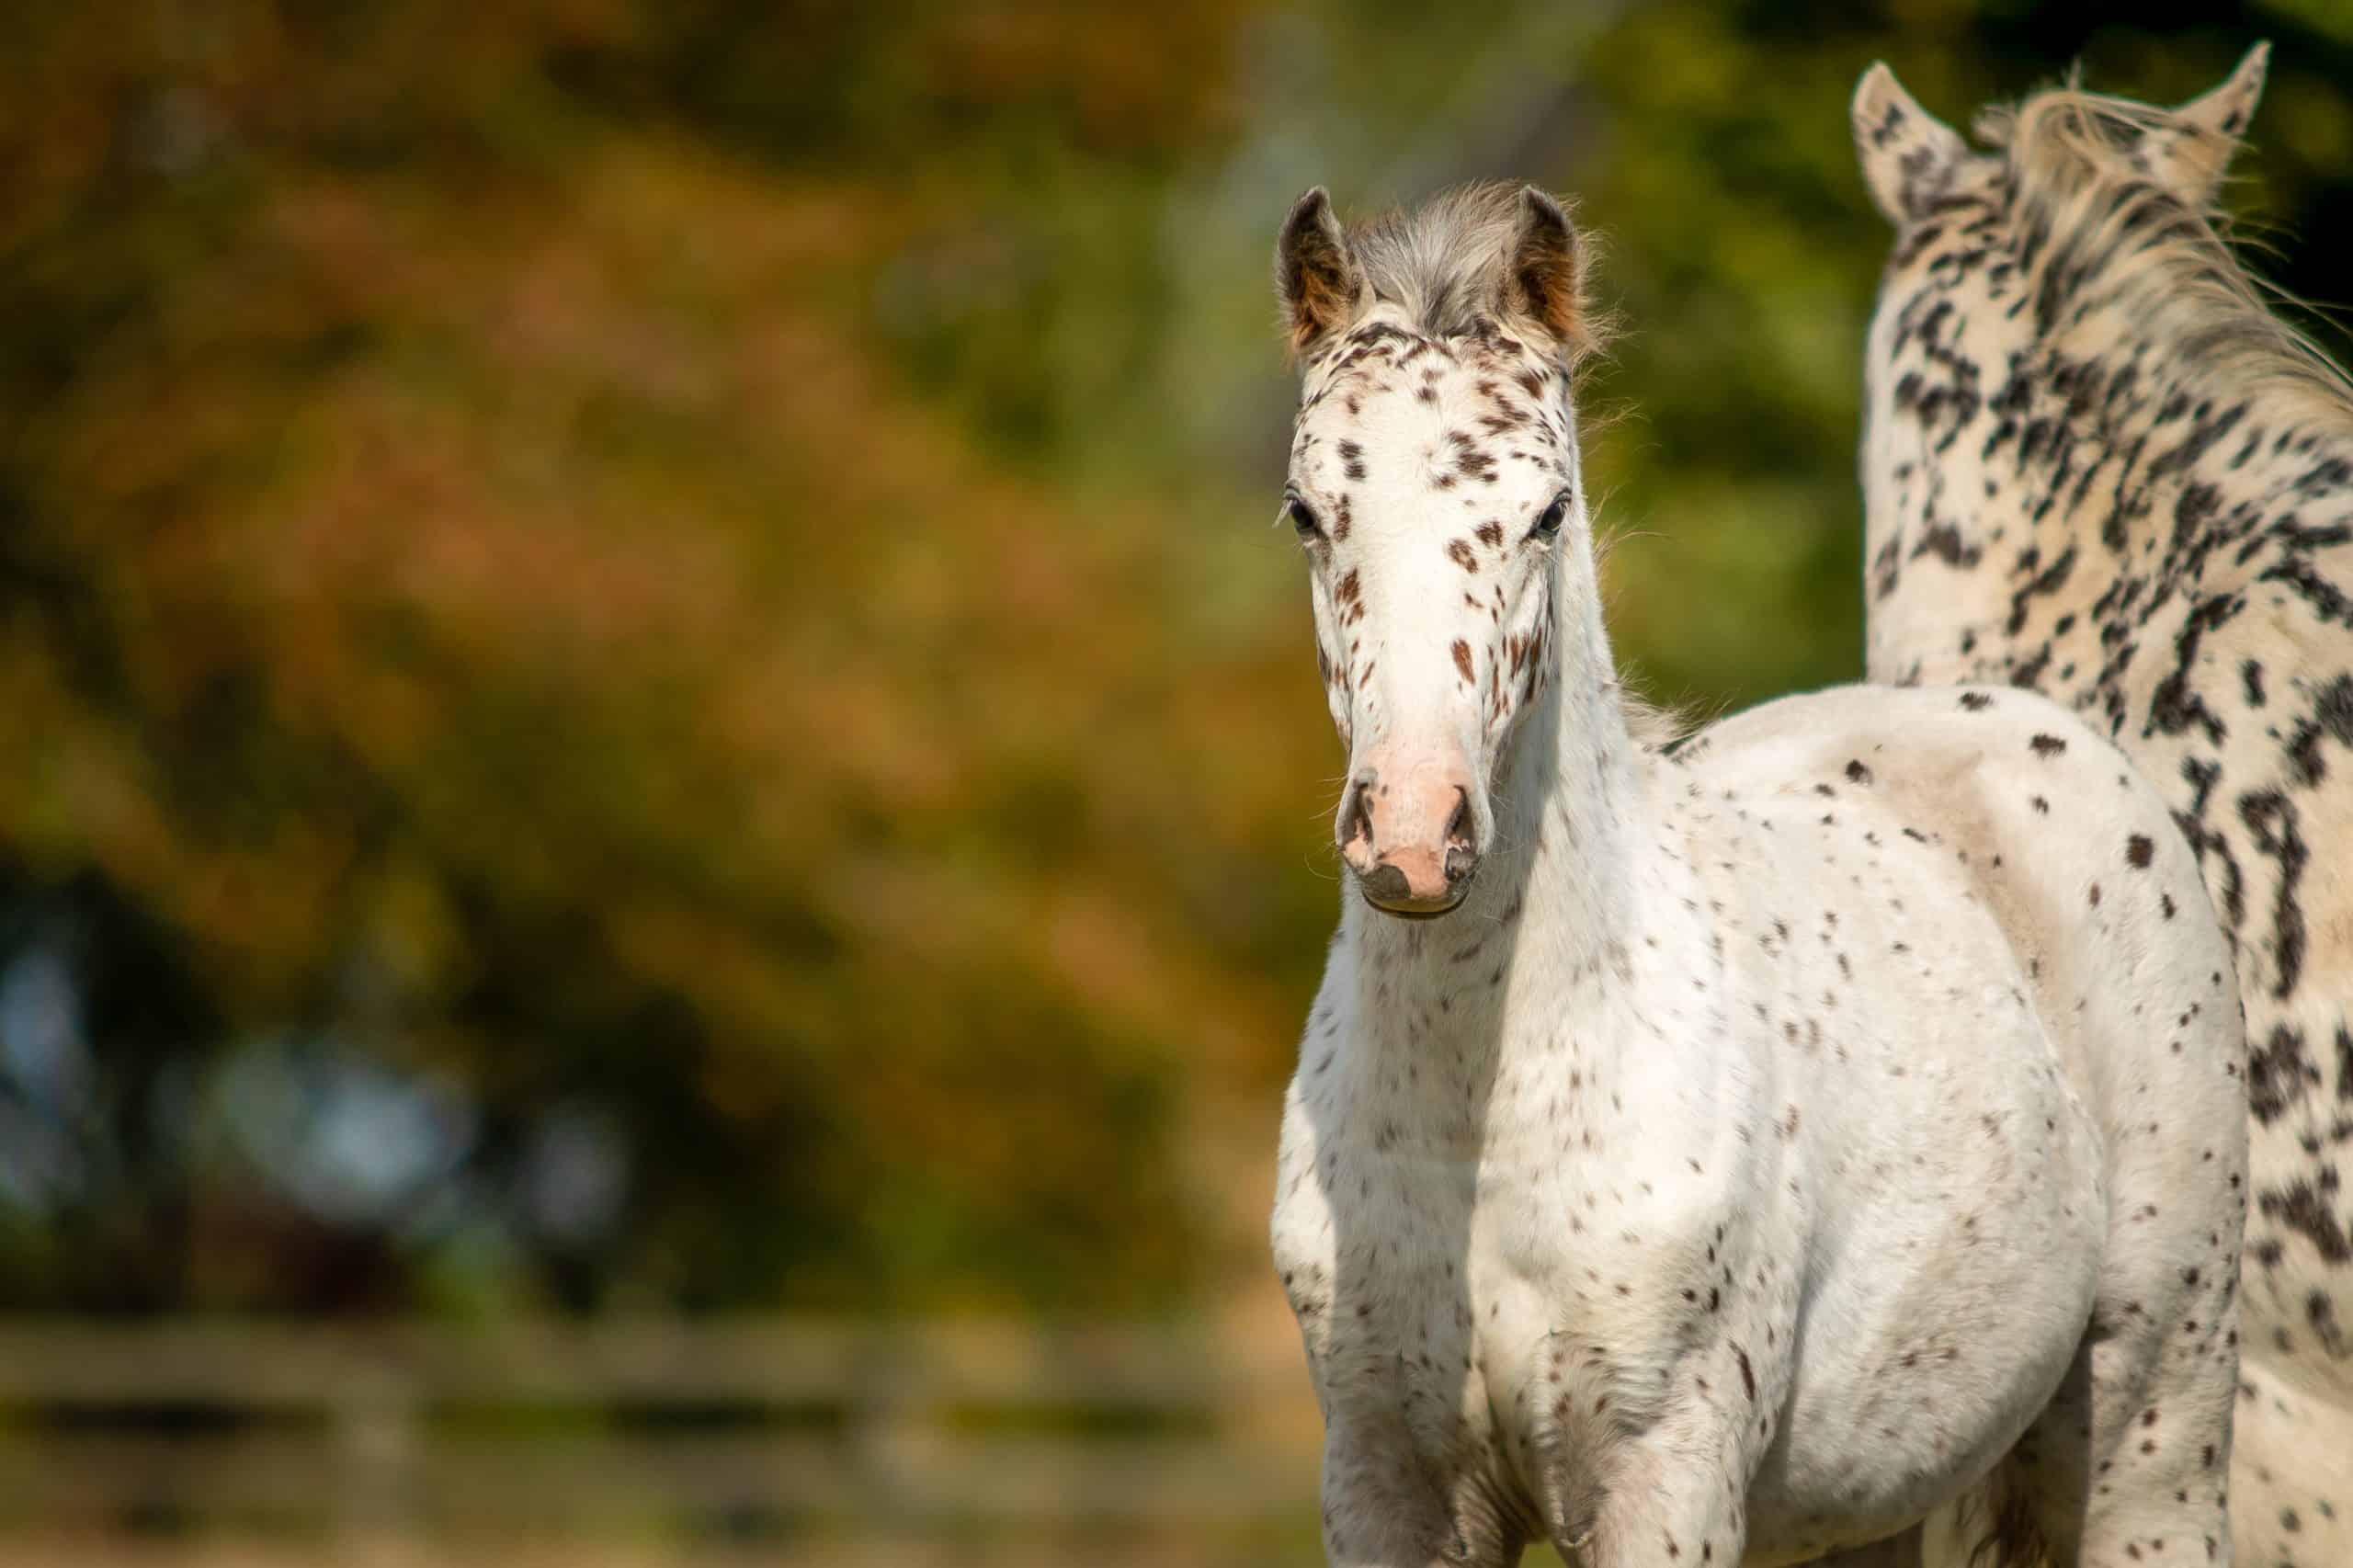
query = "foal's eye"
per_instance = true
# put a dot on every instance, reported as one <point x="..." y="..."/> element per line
<point x="1300" y="517"/>
<point x="1549" y="522"/>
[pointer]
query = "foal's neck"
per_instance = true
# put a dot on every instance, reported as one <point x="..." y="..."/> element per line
<point x="1545" y="925"/>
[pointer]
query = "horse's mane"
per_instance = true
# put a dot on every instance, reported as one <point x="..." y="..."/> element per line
<point x="2079" y="169"/>
<point x="1444" y="263"/>
<point x="1655" y="727"/>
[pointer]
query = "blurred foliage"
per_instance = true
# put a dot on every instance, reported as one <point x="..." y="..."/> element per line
<point x="643" y="662"/>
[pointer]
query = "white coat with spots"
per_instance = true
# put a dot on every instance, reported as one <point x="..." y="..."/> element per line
<point x="2094" y="465"/>
<point x="1736" y="1151"/>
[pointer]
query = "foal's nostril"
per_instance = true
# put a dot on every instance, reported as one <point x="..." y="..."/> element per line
<point x="1355" y="824"/>
<point x="1462" y="847"/>
<point x="1458" y="826"/>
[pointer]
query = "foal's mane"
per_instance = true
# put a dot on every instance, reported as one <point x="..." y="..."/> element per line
<point x="2080" y="175"/>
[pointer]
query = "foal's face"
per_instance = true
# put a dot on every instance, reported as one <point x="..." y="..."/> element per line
<point x="1432" y="487"/>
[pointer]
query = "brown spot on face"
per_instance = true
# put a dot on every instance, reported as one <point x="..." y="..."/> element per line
<point x="1491" y="534"/>
<point x="1470" y="459"/>
<point x="1975" y="701"/>
<point x="1461" y="553"/>
<point x="2138" y="851"/>
<point x="1857" y="773"/>
<point x="1462" y="661"/>
<point x="1352" y="459"/>
<point x="2046" y="745"/>
<point x="1349" y="589"/>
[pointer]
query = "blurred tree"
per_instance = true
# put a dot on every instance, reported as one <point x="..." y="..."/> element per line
<point x="641" y="663"/>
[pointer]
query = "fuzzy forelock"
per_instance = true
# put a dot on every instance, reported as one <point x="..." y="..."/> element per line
<point x="1446" y="263"/>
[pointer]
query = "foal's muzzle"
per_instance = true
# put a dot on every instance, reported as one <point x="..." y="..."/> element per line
<point x="1413" y="846"/>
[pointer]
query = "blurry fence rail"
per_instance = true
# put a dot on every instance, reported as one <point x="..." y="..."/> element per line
<point x="767" y="1424"/>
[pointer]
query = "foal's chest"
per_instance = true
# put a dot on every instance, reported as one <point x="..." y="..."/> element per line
<point x="1478" y="1309"/>
<point x="1416" y="1323"/>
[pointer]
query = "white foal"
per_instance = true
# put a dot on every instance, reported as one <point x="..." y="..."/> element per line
<point x="1729" y="1156"/>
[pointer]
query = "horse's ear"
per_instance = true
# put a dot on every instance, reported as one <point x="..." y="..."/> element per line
<point x="1546" y="280"/>
<point x="2193" y="148"/>
<point x="1315" y="276"/>
<point x="1907" y="153"/>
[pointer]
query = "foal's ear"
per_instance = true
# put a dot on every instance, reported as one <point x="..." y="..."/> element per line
<point x="1545" y="280"/>
<point x="2190" y="151"/>
<point x="1315" y="276"/>
<point x="1907" y="153"/>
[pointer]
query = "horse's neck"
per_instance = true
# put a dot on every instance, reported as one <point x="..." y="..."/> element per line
<point x="1543" y="931"/>
<point x="2183" y="426"/>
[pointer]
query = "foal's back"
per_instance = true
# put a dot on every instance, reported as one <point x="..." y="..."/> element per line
<point x="2032" y="985"/>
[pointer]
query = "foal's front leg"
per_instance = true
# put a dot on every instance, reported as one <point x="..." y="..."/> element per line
<point x="1676" y="1499"/>
<point x="1383" y="1508"/>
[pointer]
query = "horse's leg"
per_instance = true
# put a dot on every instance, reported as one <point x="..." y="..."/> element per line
<point x="2291" y="1475"/>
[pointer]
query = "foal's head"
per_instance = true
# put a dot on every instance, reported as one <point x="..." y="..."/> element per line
<point x="1434" y="488"/>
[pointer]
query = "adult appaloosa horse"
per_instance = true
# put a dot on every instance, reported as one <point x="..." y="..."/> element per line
<point x="2095" y="465"/>
<point x="1731" y="1155"/>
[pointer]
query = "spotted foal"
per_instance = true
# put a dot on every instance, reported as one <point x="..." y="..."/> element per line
<point x="1726" y="1152"/>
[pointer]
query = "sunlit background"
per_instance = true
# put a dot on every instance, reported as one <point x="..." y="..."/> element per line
<point x="663" y="799"/>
